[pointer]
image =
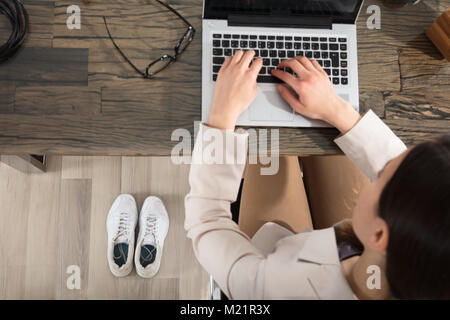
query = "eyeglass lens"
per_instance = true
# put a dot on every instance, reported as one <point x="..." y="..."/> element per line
<point x="185" y="41"/>
<point x="158" y="65"/>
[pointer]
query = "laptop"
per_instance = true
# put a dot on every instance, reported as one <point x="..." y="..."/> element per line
<point x="324" y="30"/>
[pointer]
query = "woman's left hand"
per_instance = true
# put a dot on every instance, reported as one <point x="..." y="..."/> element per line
<point x="235" y="89"/>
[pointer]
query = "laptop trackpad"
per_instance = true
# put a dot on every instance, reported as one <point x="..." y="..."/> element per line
<point x="344" y="96"/>
<point x="269" y="106"/>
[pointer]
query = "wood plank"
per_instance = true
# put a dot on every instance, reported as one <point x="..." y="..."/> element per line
<point x="424" y="129"/>
<point x="134" y="287"/>
<point x="426" y="103"/>
<point x="41" y="14"/>
<point x="15" y="200"/>
<point x="410" y="131"/>
<point x="159" y="288"/>
<point x="7" y="93"/>
<point x="168" y="182"/>
<point x="139" y="138"/>
<point x="194" y="280"/>
<point x="377" y="64"/>
<point x="77" y="167"/>
<point x="3" y="277"/>
<point x="423" y="66"/>
<point x="136" y="176"/>
<point x="47" y="66"/>
<point x="372" y="100"/>
<point x="41" y="265"/>
<point x="160" y="102"/>
<point x="73" y="235"/>
<point x="106" y="177"/>
<point x="58" y="100"/>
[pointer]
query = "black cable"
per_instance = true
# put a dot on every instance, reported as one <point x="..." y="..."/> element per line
<point x="18" y="16"/>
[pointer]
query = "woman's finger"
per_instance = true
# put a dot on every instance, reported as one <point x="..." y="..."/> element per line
<point x="306" y="63"/>
<point x="290" y="98"/>
<point x="237" y="57"/>
<point x="256" y="66"/>
<point x="247" y="58"/>
<point x="294" y="65"/>
<point x="286" y="77"/>
<point x="319" y="68"/>
<point x="226" y="62"/>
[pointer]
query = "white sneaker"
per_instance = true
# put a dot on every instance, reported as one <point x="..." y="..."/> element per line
<point x="120" y="225"/>
<point x="153" y="228"/>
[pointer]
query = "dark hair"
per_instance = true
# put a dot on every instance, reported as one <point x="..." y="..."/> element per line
<point x="415" y="204"/>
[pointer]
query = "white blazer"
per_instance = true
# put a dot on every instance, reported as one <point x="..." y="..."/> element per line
<point x="275" y="263"/>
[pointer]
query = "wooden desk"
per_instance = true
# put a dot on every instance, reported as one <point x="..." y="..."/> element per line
<point x="70" y="92"/>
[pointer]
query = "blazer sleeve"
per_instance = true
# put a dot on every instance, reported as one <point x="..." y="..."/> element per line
<point x="224" y="251"/>
<point x="370" y="144"/>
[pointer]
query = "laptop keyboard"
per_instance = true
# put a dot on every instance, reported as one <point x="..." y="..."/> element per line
<point x="330" y="52"/>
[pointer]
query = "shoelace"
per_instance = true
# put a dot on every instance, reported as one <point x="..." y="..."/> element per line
<point x="123" y="226"/>
<point x="151" y="227"/>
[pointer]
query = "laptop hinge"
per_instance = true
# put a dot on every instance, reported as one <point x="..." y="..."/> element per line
<point x="280" y="21"/>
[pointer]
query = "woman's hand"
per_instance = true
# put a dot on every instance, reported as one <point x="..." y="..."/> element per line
<point x="313" y="95"/>
<point x="235" y="89"/>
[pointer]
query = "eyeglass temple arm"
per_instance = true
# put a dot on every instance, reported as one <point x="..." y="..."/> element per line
<point x="120" y="51"/>
<point x="176" y="12"/>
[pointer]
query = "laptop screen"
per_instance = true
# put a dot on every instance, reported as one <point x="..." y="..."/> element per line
<point x="341" y="11"/>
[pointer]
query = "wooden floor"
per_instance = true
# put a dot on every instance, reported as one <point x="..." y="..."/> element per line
<point x="54" y="220"/>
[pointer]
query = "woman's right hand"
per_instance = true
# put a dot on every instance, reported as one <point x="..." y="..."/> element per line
<point x="314" y="95"/>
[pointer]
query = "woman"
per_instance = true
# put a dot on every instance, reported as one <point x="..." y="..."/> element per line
<point x="402" y="218"/>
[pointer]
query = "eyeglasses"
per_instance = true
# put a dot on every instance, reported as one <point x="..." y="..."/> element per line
<point x="164" y="61"/>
